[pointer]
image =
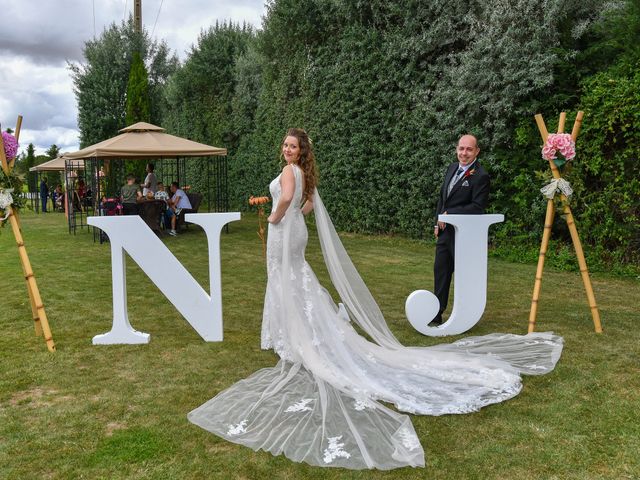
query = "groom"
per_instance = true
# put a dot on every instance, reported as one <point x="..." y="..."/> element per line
<point x="465" y="191"/>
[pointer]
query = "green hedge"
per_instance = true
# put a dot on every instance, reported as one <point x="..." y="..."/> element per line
<point x="385" y="88"/>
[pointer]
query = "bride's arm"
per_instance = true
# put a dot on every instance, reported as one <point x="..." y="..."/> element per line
<point x="307" y="207"/>
<point x="288" y="185"/>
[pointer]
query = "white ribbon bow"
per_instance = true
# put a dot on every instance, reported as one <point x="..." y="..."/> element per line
<point x="550" y="189"/>
<point x="6" y="200"/>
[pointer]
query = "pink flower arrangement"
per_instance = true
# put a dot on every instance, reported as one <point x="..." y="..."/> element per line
<point x="559" y="143"/>
<point x="10" y="146"/>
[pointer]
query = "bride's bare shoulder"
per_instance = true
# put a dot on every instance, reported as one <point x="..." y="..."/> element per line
<point x="287" y="174"/>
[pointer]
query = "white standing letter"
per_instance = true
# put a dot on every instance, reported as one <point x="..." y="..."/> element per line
<point x="201" y="310"/>
<point x="469" y="282"/>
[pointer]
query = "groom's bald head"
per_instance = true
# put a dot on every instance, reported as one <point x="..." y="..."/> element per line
<point x="467" y="149"/>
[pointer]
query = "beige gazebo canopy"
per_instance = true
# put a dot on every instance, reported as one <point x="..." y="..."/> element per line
<point x="144" y="140"/>
<point x="55" y="165"/>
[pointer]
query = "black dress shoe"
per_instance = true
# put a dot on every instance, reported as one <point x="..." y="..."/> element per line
<point x="437" y="321"/>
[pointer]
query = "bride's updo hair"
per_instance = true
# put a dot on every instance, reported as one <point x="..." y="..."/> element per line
<point x="307" y="160"/>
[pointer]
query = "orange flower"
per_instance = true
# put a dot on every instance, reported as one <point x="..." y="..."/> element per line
<point x="258" y="200"/>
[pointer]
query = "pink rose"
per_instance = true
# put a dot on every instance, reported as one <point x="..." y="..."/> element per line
<point x="548" y="152"/>
<point x="559" y="142"/>
<point x="558" y="139"/>
<point x="570" y="153"/>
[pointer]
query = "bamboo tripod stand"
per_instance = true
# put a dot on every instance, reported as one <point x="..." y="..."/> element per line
<point x="548" y="223"/>
<point x="41" y="323"/>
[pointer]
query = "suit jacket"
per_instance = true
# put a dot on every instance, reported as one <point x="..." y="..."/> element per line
<point x="469" y="195"/>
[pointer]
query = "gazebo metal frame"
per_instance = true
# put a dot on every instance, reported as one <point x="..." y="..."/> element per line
<point x="106" y="160"/>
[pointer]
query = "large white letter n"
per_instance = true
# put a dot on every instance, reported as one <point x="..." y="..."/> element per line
<point x="131" y="234"/>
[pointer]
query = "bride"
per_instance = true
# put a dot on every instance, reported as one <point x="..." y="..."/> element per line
<point x="321" y="404"/>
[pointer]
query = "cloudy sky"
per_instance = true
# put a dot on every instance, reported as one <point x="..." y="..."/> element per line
<point x="38" y="37"/>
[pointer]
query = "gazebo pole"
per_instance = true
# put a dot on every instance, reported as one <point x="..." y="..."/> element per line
<point x="37" y="307"/>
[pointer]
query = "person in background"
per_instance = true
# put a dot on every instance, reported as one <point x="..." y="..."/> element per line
<point x="130" y="194"/>
<point x="161" y="193"/>
<point x="150" y="182"/>
<point x="87" y="201"/>
<point x="81" y="188"/>
<point x="56" y="196"/>
<point x="44" y="194"/>
<point x="179" y="200"/>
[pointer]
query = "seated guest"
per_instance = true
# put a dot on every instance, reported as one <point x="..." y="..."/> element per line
<point x="161" y="194"/>
<point x="130" y="194"/>
<point x="81" y="188"/>
<point x="178" y="201"/>
<point x="57" y="198"/>
<point x="88" y="197"/>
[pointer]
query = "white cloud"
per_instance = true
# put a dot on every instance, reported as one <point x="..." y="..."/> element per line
<point x="37" y="39"/>
<point x="65" y="138"/>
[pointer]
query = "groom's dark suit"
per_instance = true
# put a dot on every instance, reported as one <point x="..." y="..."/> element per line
<point x="469" y="195"/>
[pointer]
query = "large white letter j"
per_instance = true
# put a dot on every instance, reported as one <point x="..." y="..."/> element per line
<point x="469" y="283"/>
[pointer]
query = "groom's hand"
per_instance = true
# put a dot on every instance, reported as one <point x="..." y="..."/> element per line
<point x="441" y="225"/>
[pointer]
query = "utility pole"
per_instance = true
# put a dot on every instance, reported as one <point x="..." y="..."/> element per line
<point x="137" y="15"/>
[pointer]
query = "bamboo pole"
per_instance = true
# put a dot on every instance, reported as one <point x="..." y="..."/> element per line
<point x="17" y="135"/>
<point x="3" y="158"/>
<point x="584" y="272"/>
<point x="261" y="231"/>
<point x="34" y="310"/>
<point x="542" y="127"/>
<point x="577" y="125"/>
<point x="7" y="167"/>
<point x="31" y="280"/>
<point x="561" y="122"/>
<point x="595" y="314"/>
<point x="546" y="235"/>
<point x="41" y="324"/>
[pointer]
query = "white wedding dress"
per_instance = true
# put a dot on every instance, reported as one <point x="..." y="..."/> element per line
<point x="321" y="403"/>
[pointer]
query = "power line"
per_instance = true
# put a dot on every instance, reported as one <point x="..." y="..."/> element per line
<point x="154" y="23"/>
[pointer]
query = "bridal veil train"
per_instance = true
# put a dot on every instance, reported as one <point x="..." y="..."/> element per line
<point x="321" y="403"/>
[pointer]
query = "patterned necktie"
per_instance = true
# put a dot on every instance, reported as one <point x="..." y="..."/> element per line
<point x="455" y="179"/>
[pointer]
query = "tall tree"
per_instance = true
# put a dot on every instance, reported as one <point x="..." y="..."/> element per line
<point x="138" y="100"/>
<point x="53" y="152"/>
<point x="30" y="157"/>
<point x="24" y="162"/>
<point x="199" y="96"/>
<point x="100" y="84"/>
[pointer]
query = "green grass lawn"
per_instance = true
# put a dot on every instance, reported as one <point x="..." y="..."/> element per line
<point x="121" y="411"/>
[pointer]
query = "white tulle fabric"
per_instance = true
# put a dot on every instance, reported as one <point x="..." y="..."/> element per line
<point x="321" y="403"/>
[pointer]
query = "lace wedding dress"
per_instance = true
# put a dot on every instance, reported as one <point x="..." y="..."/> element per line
<point x="321" y="403"/>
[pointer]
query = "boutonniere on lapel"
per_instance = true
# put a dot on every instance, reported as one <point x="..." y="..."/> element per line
<point x="467" y="174"/>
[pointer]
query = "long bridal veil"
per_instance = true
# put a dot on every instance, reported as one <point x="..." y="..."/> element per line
<point x="531" y="354"/>
<point x="321" y="404"/>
